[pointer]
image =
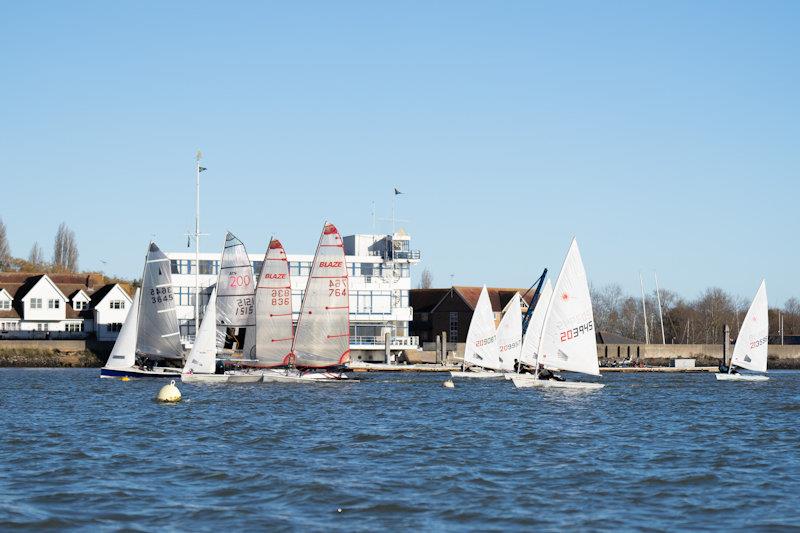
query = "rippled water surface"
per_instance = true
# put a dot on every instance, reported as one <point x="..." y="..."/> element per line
<point x="399" y="451"/>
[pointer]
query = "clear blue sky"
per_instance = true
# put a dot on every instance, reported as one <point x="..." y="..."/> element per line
<point x="664" y="135"/>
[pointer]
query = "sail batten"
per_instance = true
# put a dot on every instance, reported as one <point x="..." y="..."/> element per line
<point x="750" y="350"/>
<point x="322" y="337"/>
<point x="274" y="332"/>
<point x="568" y="334"/>
<point x="158" y="336"/>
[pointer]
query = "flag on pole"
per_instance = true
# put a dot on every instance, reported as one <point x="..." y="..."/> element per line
<point x="396" y="192"/>
<point x="202" y="169"/>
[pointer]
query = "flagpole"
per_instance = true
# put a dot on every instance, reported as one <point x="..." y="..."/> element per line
<point x="197" y="244"/>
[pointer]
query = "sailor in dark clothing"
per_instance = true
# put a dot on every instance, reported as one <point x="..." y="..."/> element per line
<point x="723" y="369"/>
<point x="547" y="374"/>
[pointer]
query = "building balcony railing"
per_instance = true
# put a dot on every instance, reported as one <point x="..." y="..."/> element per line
<point x="397" y="342"/>
<point x="27" y="335"/>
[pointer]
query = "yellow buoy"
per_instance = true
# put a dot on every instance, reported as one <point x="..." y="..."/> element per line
<point x="449" y="384"/>
<point x="125" y="378"/>
<point x="169" y="393"/>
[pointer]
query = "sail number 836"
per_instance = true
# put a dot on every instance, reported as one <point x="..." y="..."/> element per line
<point x="337" y="287"/>
<point x="281" y="296"/>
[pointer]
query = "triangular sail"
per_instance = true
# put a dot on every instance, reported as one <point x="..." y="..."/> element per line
<point x="481" y="348"/>
<point x="158" y="335"/>
<point x="235" y="288"/>
<point x="274" y="308"/>
<point x="203" y="357"/>
<point x="123" y="354"/>
<point x="750" y="351"/>
<point x="568" y="339"/>
<point x="322" y="338"/>
<point x="509" y="334"/>
<point x="530" y="344"/>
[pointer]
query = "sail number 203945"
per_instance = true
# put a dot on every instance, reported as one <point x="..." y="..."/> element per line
<point x="577" y="331"/>
<point x="337" y="287"/>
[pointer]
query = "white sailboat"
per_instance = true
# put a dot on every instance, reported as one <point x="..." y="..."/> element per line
<point x="236" y="306"/>
<point x="509" y="335"/>
<point x="481" y="351"/>
<point x="750" y="350"/>
<point x="321" y="345"/>
<point x="568" y="335"/>
<point x="530" y="343"/>
<point x="150" y="332"/>
<point x="201" y="365"/>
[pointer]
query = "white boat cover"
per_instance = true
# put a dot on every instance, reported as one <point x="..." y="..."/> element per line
<point x="568" y="338"/>
<point x="509" y="334"/>
<point x="533" y="336"/>
<point x="750" y="351"/>
<point x="322" y="338"/>
<point x="203" y="357"/>
<point x="274" y="333"/>
<point x="123" y="354"/>
<point x="158" y="336"/>
<point x="481" y="348"/>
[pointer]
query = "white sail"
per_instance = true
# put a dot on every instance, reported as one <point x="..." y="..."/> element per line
<point x="322" y="338"/>
<point x="274" y="333"/>
<point x="203" y="357"/>
<point x="568" y="339"/>
<point x="158" y="336"/>
<point x="509" y="334"/>
<point x="481" y="348"/>
<point x="533" y="335"/>
<point x="235" y="289"/>
<point x="123" y="354"/>
<point x="750" y="351"/>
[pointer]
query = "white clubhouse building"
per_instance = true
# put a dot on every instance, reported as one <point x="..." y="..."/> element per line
<point x="379" y="267"/>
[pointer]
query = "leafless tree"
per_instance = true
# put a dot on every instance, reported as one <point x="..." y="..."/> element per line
<point x="36" y="256"/>
<point x="65" y="249"/>
<point x="425" y="280"/>
<point x="5" y="251"/>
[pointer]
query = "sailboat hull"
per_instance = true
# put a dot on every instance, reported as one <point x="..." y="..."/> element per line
<point x="157" y="372"/>
<point x="244" y="377"/>
<point x="741" y="377"/>
<point x="204" y="378"/>
<point x="282" y="376"/>
<point x="530" y="382"/>
<point x="477" y="375"/>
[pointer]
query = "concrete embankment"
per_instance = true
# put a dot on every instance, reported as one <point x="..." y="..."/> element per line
<point x="53" y="353"/>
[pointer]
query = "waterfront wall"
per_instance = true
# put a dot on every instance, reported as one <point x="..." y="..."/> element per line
<point x="53" y="353"/>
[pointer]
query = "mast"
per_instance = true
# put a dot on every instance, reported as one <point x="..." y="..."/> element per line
<point x="197" y="244"/>
<point x="644" y="312"/>
<point x="534" y="300"/>
<point x="660" y="312"/>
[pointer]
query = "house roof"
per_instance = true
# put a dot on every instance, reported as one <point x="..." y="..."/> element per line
<point x="606" y="337"/>
<point x="424" y="300"/>
<point x="18" y="284"/>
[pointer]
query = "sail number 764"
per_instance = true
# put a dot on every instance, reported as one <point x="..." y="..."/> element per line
<point x="337" y="287"/>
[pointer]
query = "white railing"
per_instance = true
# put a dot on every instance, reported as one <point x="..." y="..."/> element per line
<point x="396" y="342"/>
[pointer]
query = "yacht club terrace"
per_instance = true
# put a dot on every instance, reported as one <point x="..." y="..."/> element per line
<point x="379" y="270"/>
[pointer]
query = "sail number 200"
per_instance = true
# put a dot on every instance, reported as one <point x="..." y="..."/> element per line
<point x="337" y="287"/>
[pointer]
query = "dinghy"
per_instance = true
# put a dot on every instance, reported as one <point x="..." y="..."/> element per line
<point x="236" y="307"/>
<point x="750" y="350"/>
<point x="481" y="351"/>
<point x="568" y="340"/>
<point x="201" y="365"/>
<point x="321" y="344"/>
<point x="150" y="332"/>
<point x="530" y="343"/>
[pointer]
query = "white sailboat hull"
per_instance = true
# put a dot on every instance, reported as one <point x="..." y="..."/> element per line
<point x="204" y="378"/>
<point x="477" y="375"/>
<point x="136" y="372"/>
<point x="529" y="382"/>
<point x="281" y="376"/>
<point x="244" y="377"/>
<point x="741" y="377"/>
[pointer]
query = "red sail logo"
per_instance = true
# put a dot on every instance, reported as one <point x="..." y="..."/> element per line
<point x="330" y="264"/>
<point x="275" y="276"/>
